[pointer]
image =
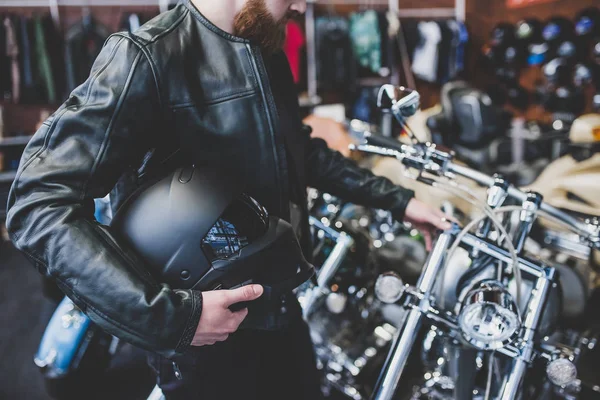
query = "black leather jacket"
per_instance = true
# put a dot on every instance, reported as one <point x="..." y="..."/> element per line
<point x="178" y="82"/>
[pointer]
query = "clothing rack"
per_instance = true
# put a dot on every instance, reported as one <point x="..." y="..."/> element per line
<point x="53" y="5"/>
<point x="458" y="12"/>
<point x="83" y="3"/>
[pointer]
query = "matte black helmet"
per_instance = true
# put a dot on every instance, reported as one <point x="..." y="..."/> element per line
<point x="196" y="229"/>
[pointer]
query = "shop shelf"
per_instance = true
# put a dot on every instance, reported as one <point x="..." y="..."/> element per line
<point x="15" y="141"/>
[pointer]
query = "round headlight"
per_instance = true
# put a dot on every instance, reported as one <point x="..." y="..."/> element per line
<point x="561" y="372"/>
<point x="389" y="287"/>
<point x="489" y="318"/>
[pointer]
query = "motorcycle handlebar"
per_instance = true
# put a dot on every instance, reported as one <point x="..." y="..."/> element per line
<point x="383" y="141"/>
<point x="431" y="159"/>
<point x="521" y="196"/>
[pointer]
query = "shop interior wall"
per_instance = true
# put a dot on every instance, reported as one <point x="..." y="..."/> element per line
<point x="481" y="16"/>
<point x="23" y="118"/>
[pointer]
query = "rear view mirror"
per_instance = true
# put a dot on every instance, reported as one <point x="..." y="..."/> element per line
<point x="400" y="101"/>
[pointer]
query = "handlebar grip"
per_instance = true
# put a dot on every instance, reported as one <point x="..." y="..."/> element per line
<point x="383" y="141"/>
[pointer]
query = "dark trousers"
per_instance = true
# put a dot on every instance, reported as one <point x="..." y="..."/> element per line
<point x="250" y="365"/>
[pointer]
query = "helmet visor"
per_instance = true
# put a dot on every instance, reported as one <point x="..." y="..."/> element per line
<point x="244" y="221"/>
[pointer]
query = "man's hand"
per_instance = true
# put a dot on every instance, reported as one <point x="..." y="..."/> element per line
<point x="217" y="322"/>
<point x="426" y="219"/>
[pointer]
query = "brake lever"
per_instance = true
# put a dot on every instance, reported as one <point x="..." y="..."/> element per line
<point x="593" y="228"/>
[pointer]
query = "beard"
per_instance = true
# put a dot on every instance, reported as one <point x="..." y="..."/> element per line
<point x="255" y="23"/>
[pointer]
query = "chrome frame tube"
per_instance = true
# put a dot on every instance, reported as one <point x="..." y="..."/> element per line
<point x="332" y="233"/>
<point x="517" y="194"/>
<point x="333" y="262"/>
<point x="526" y="219"/>
<point x="488" y="248"/>
<point x="343" y="244"/>
<point x="535" y="308"/>
<point x="398" y="356"/>
<point x="403" y="344"/>
<point x="495" y="198"/>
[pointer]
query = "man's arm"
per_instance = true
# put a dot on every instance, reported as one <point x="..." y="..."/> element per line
<point x="77" y="155"/>
<point x="330" y="171"/>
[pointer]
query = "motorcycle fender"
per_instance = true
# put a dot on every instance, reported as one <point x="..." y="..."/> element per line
<point x="64" y="339"/>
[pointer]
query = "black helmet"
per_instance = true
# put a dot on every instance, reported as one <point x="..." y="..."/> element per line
<point x="503" y="35"/>
<point x="195" y="229"/>
<point x="587" y="22"/>
<point x="529" y="31"/>
<point x="558" y="29"/>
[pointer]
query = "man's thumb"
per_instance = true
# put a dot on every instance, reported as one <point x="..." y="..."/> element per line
<point x="244" y="293"/>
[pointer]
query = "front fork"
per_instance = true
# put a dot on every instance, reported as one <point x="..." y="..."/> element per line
<point x="521" y="352"/>
<point x="404" y="342"/>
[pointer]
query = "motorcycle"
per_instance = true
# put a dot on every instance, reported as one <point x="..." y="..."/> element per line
<point x="487" y="318"/>
<point x="350" y="328"/>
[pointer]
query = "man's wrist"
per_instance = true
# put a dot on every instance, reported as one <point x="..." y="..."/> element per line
<point x="195" y="299"/>
<point x="405" y="197"/>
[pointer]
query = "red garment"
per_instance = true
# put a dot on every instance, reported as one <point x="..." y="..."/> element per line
<point x="294" y="41"/>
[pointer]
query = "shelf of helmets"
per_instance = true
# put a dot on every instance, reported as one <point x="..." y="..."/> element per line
<point x="483" y="16"/>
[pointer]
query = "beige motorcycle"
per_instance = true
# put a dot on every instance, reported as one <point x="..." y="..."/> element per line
<point x="510" y="316"/>
<point x="572" y="183"/>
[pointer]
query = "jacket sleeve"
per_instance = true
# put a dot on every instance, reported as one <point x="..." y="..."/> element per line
<point x="330" y="171"/>
<point x="77" y="155"/>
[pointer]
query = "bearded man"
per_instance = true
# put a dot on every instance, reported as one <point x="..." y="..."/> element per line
<point x="205" y="82"/>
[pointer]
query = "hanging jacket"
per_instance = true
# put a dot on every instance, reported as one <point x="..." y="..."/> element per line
<point x="28" y="90"/>
<point x="55" y="45"/>
<point x="12" y="79"/>
<point x="426" y="56"/>
<point x="43" y="64"/>
<point x="83" y="43"/>
<point x="366" y="39"/>
<point x="178" y="90"/>
<point x="294" y="42"/>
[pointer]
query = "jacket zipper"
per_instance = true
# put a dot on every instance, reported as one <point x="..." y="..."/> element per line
<point x="267" y="96"/>
<point x="177" y="371"/>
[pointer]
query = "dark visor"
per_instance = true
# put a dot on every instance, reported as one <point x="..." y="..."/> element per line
<point x="244" y="221"/>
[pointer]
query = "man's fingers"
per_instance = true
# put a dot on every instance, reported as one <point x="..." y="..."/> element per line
<point x="244" y="293"/>
<point x="203" y="342"/>
<point x="222" y="338"/>
<point x="428" y="241"/>
<point x="442" y="214"/>
<point x="440" y="221"/>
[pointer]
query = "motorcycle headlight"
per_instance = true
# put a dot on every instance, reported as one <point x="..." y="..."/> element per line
<point x="561" y="372"/>
<point x="389" y="287"/>
<point x="489" y="318"/>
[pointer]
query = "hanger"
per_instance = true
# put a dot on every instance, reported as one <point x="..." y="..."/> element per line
<point x="53" y="4"/>
<point x="331" y="9"/>
<point x="86" y="17"/>
<point x="163" y="5"/>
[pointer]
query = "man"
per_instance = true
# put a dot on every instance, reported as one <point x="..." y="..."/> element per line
<point x="204" y="82"/>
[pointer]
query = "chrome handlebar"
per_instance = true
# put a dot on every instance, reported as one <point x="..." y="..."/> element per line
<point x="427" y="157"/>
